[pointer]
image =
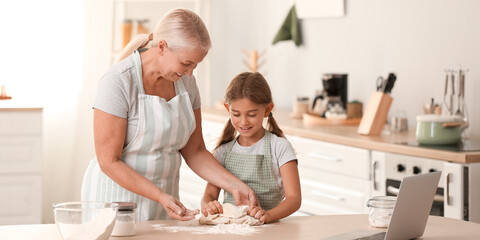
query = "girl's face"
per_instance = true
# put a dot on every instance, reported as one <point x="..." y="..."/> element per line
<point x="180" y="62"/>
<point x="247" y="118"/>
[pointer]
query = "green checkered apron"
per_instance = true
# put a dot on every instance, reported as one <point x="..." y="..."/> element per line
<point x="257" y="172"/>
<point x="164" y="127"/>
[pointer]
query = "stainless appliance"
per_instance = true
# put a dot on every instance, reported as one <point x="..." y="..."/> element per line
<point x="336" y="88"/>
<point x="335" y="91"/>
<point x="458" y="192"/>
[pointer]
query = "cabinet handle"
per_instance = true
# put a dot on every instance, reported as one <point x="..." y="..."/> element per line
<point x="395" y="191"/>
<point x="326" y="195"/>
<point x="324" y="157"/>
<point x="374" y="175"/>
<point x="447" y="188"/>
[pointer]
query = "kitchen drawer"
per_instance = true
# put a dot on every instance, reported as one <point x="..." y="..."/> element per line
<point x="21" y="199"/>
<point x="20" y="154"/>
<point x="331" y="157"/>
<point x="211" y="132"/>
<point x="20" y="122"/>
<point x="327" y="193"/>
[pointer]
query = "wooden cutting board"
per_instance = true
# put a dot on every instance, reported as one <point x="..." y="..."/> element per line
<point x="313" y="120"/>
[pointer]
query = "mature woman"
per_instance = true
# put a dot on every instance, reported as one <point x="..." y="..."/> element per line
<point x="147" y="113"/>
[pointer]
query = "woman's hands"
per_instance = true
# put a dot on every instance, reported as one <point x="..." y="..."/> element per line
<point x="244" y="195"/>
<point x="259" y="213"/>
<point x="211" y="208"/>
<point x="175" y="208"/>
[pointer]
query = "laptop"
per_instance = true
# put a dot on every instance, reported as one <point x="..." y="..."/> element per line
<point x="411" y="211"/>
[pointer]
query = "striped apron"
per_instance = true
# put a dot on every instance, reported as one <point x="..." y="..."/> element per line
<point x="163" y="129"/>
<point x="257" y="172"/>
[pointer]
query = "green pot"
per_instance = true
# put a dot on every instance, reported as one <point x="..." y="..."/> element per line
<point x="438" y="130"/>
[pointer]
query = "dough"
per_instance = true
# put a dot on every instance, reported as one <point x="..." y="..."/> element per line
<point x="231" y="214"/>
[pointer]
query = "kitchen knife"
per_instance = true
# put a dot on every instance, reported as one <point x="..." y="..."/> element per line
<point x="390" y="82"/>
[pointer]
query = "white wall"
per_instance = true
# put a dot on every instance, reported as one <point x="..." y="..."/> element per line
<point x="415" y="39"/>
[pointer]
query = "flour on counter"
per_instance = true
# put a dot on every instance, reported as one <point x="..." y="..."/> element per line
<point x="193" y="227"/>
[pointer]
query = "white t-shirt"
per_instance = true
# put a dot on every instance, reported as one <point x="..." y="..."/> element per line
<point x="117" y="94"/>
<point x="282" y="152"/>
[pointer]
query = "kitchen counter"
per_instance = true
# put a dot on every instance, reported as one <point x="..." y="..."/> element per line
<point x="401" y="143"/>
<point x="306" y="227"/>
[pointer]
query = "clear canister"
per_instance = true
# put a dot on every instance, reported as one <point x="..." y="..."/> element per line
<point x="381" y="210"/>
<point x="125" y="223"/>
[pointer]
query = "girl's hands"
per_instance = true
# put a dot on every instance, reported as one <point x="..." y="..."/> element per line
<point x="211" y="208"/>
<point x="176" y="210"/>
<point x="259" y="213"/>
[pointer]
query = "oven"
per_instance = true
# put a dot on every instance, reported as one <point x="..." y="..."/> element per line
<point x="458" y="192"/>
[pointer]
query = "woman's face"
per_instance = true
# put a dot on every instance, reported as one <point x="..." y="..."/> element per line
<point x="177" y="63"/>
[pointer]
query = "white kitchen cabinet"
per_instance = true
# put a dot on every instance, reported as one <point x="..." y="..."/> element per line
<point x="454" y="191"/>
<point x="191" y="185"/>
<point x="335" y="179"/>
<point x="462" y="191"/>
<point x="20" y="165"/>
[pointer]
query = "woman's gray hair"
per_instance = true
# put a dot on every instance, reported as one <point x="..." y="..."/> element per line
<point x="179" y="28"/>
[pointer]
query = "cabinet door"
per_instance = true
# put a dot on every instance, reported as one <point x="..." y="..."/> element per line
<point x="20" y="201"/>
<point x="332" y="157"/>
<point x="20" y="141"/>
<point x="15" y="122"/>
<point x="474" y="192"/>
<point x="378" y="166"/>
<point x="327" y="193"/>
<point x="20" y="154"/>
<point x="454" y="190"/>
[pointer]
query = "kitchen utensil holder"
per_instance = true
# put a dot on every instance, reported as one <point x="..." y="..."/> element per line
<point x="375" y="114"/>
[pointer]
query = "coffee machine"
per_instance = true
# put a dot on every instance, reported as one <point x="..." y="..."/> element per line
<point x="334" y="94"/>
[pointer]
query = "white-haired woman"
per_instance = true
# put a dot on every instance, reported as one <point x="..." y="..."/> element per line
<point x="147" y="113"/>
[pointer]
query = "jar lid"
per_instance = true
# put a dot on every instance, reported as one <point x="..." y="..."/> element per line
<point x="438" y="118"/>
<point x="382" y="202"/>
<point x="126" y="206"/>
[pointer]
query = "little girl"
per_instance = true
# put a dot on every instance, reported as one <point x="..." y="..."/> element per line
<point x="261" y="158"/>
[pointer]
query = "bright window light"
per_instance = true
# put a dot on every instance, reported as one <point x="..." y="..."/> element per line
<point x="41" y="49"/>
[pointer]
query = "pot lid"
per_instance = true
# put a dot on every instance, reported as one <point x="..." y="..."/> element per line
<point x="438" y="118"/>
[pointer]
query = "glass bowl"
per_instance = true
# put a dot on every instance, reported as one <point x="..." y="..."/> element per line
<point x="381" y="210"/>
<point x="85" y="220"/>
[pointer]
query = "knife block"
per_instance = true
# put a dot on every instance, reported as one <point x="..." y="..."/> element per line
<point x="375" y="114"/>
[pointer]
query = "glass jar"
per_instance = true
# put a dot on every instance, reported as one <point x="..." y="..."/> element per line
<point x="381" y="210"/>
<point x="125" y="222"/>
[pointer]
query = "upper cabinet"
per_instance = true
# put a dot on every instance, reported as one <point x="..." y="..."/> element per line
<point x="132" y="17"/>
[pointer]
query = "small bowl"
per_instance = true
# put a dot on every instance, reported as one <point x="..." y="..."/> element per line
<point x="85" y="220"/>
